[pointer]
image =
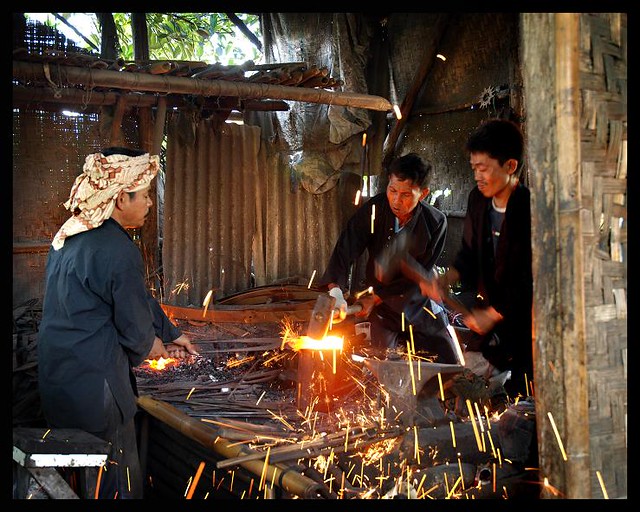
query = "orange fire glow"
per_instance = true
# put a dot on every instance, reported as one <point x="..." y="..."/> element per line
<point x="298" y="342"/>
<point x="162" y="363"/>
<point x="326" y="343"/>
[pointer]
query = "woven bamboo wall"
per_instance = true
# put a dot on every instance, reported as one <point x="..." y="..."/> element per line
<point x="603" y="83"/>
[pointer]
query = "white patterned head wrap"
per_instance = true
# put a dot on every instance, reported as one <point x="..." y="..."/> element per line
<point x="93" y="195"/>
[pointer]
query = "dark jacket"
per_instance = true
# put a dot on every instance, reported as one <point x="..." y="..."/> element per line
<point x="98" y="322"/>
<point x="504" y="280"/>
<point x="427" y="229"/>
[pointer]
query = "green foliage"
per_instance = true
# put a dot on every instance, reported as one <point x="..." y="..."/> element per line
<point x="209" y="37"/>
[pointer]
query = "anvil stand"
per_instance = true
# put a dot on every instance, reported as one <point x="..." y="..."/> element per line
<point x="395" y="377"/>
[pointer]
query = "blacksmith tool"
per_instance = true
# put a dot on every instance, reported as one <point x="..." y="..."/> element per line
<point x="396" y="257"/>
<point x="322" y="314"/>
<point x="413" y="385"/>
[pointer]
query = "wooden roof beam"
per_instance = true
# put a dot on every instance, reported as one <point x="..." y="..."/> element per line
<point x="87" y="77"/>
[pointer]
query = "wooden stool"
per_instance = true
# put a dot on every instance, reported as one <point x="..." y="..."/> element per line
<point x="38" y="452"/>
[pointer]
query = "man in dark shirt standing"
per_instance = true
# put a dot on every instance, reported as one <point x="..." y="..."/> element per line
<point x="493" y="264"/>
<point x="99" y="319"/>
<point x="396" y="308"/>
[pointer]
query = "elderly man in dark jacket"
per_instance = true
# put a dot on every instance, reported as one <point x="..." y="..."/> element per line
<point x="396" y="308"/>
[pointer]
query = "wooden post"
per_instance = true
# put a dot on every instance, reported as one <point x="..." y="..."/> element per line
<point x="576" y="424"/>
<point x="551" y="84"/>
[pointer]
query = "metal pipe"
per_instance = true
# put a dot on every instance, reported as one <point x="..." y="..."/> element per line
<point x="209" y="437"/>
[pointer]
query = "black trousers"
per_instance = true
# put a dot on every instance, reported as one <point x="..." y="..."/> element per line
<point x="122" y="475"/>
<point x="429" y="334"/>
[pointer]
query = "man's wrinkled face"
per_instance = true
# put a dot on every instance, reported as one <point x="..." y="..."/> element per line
<point x="403" y="197"/>
<point x="135" y="209"/>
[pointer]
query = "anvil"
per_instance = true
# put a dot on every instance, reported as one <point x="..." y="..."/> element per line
<point x="395" y="376"/>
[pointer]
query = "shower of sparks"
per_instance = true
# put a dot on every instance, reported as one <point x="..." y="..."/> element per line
<point x="486" y="414"/>
<point x="97" y="491"/>
<point x="453" y="433"/>
<point x="429" y="311"/>
<point x="373" y="216"/>
<point x="179" y="287"/>
<point x="264" y="469"/>
<point x="555" y="431"/>
<point x="456" y="344"/>
<point x="364" y="292"/>
<point x="411" y="350"/>
<point x="311" y="280"/>
<point x="441" y="386"/>
<point x="461" y="473"/>
<point x="550" y="488"/>
<point x="601" y="481"/>
<point x="343" y="482"/>
<point x="416" y="449"/>
<point x="473" y="424"/>
<point x="413" y="378"/>
<point x="479" y="416"/>
<point x="205" y="303"/>
<point x="196" y="479"/>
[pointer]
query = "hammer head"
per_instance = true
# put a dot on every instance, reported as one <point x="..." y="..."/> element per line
<point x="321" y="316"/>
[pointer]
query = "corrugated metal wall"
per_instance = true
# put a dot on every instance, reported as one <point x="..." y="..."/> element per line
<point x="233" y="207"/>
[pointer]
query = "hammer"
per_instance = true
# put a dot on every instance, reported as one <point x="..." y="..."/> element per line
<point x="396" y="257"/>
<point x="322" y="315"/>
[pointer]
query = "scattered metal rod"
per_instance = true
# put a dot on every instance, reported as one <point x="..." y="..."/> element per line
<point x="256" y="348"/>
<point x="239" y="340"/>
<point x="290" y="481"/>
<point x="311" y="449"/>
<point x="315" y="475"/>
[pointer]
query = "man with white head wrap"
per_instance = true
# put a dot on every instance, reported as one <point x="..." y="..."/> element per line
<point x="99" y="320"/>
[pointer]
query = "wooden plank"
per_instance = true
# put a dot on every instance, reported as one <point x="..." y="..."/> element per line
<point x="53" y="483"/>
<point x="56" y="441"/>
<point x="243" y="314"/>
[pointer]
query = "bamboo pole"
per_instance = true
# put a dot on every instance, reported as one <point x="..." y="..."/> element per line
<point x="25" y="95"/>
<point x="158" y="128"/>
<point x="70" y="75"/>
<point x="208" y="436"/>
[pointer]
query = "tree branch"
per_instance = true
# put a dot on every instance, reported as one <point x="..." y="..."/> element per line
<point x="244" y="29"/>
<point x="76" y="31"/>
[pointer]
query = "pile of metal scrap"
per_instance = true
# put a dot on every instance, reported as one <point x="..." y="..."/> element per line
<point x="256" y="416"/>
<point x="361" y="431"/>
